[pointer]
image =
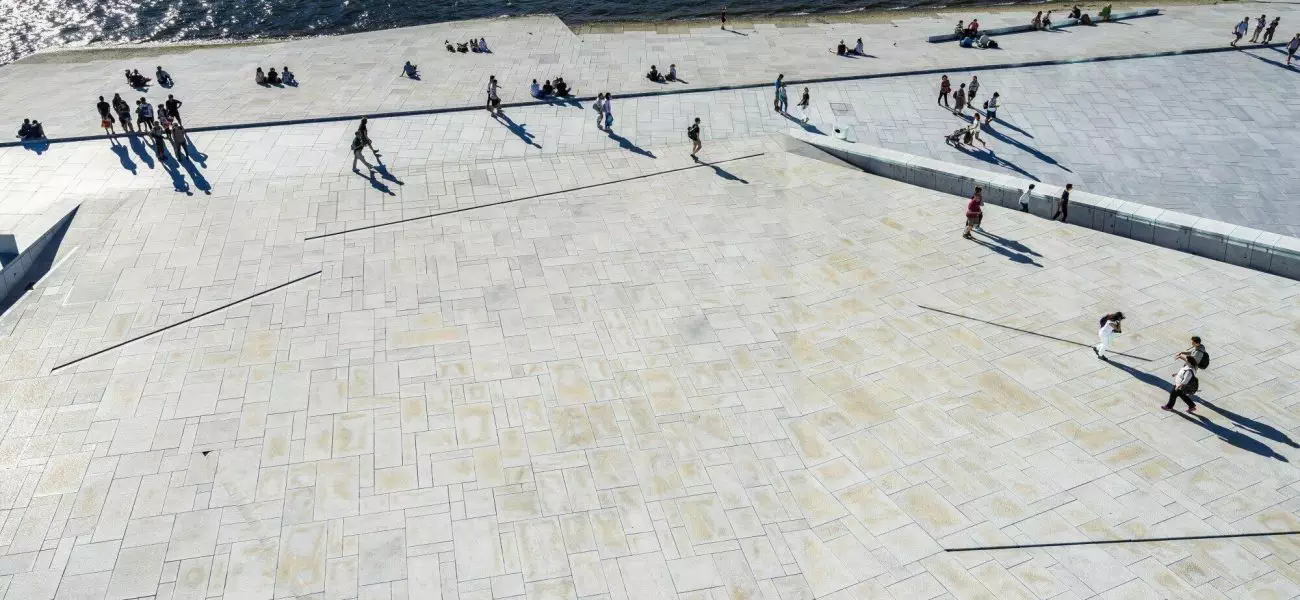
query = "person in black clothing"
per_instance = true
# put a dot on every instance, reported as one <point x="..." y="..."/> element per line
<point x="1063" y="205"/>
<point x="25" y="132"/>
<point x="272" y="77"/>
<point x="363" y="132"/>
<point x="159" y="142"/>
<point x="123" y="111"/>
<point x="174" y="108"/>
<point x="164" y="78"/>
<point x="105" y="119"/>
<point x="693" y="132"/>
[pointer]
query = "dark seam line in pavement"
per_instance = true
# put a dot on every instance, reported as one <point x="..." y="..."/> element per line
<point x="651" y="94"/>
<point x="184" y="321"/>
<point x="1050" y="337"/>
<point x="533" y="197"/>
<point x="1132" y="541"/>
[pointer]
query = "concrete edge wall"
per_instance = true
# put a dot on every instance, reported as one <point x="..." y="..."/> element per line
<point x="996" y="31"/>
<point x="1234" y="244"/>
<point x="15" y="273"/>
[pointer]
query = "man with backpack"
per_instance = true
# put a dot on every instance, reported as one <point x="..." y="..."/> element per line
<point x="1109" y="328"/>
<point x="1185" y="384"/>
<point x="693" y="132"/>
<point x="1196" y="354"/>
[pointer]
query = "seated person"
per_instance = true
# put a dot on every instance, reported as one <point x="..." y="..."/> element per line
<point x="25" y="131"/>
<point x="473" y="45"/>
<point x="562" y="88"/>
<point x="410" y="71"/>
<point x="535" y="90"/>
<point x="672" y="72"/>
<point x="164" y="78"/>
<point x="1105" y="13"/>
<point x="653" y="75"/>
<point x="462" y="47"/>
<point x="1037" y="23"/>
<point x="967" y="42"/>
<point x="272" y="77"/>
<point x="960" y="29"/>
<point x="858" y="48"/>
<point x="482" y="45"/>
<point x="1075" y="12"/>
<point x="287" y="76"/>
<point x="986" y="42"/>
<point x="38" y="130"/>
<point x="260" y="77"/>
<point x="974" y="28"/>
<point x="141" y="80"/>
<point x="1085" y="19"/>
<point x="1047" y="20"/>
<point x="841" y="49"/>
<point x="547" y="89"/>
<point x="450" y="48"/>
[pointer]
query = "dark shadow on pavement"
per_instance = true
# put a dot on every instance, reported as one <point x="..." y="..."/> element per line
<point x="1027" y="148"/>
<point x="519" y="129"/>
<point x="138" y="147"/>
<point x="1235" y="438"/>
<point x="1276" y="63"/>
<point x="736" y="32"/>
<point x="1251" y="425"/>
<point x="992" y="158"/>
<point x="1012" y="245"/>
<point x="124" y="156"/>
<point x="806" y="126"/>
<point x="200" y="181"/>
<point x="375" y="182"/>
<point x="382" y="169"/>
<point x="1011" y="256"/>
<point x="194" y="152"/>
<point x="723" y="173"/>
<point x="178" y="180"/>
<point x="1142" y="376"/>
<point x="39" y="145"/>
<point x="1008" y="125"/>
<point x="627" y="144"/>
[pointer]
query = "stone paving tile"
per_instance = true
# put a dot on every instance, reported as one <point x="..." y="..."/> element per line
<point x="627" y="391"/>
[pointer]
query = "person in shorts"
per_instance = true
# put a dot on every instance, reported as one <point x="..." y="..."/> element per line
<point x="693" y="132"/>
<point x="974" y="212"/>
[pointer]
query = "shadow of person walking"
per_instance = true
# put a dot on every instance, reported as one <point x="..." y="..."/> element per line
<point x="1235" y="438"/>
<point x="1261" y="429"/>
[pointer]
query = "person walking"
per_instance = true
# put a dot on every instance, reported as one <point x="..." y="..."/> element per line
<point x="599" y="107"/>
<point x="608" y="111"/>
<point x="1024" y="198"/>
<point x="991" y="109"/>
<point x="123" y="111"/>
<point x="972" y="88"/>
<point x="1291" y="48"/>
<point x="1259" y="28"/>
<point x="493" y="98"/>
<point x="959" y="100"/>
<point x="178" y="141"/>
<point x="1063" y="204"/>
<point x="693" y="133"/>
<point x="776" y="94"/>
<point x="945" y="88"/>
<point x="1272" y="28"/>
<point x="783" y="100"/>
<point x="105" y="118"/>
<point x="1109" y="328"/>
<point x="724" y="17"/>
<point x="1195" y="354"/>
<point x="174" y="107"/>
<point x="1185" y="384"/>
<point x="1240" y="30"/>
<point x="803" y="105"/>
<point x="363" y="132"/>
<point x="359" y="144"/>
<point x="974" y="212"/>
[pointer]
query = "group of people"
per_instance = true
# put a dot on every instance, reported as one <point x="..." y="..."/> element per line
<point x="138" y="81"/>
<point x="1262" y="26"/>
<point x="1084" y="18"/>
<point x="965" y="96"/>
<point x="843" y="50"/>
<point x="781" y="99"/>
<point x="560" y="88"/>
<point x="969" y="36"/>
<point x="473" y="45"/>
<point x="1190" y="361"/>
<point x="162" y="126"/>
<point x="271" y="77"/>
<point x="657" y="77"/>
<point x="604" y="111"/>
<point x="30" y="130"/>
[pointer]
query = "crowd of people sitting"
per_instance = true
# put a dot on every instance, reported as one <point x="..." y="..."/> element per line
<point x="136" y="80"/>
<point x="657" y="77"/>
<point x="31" y="129"/>
<point x="843" y="50"/>
<point x="559" y="89"/>
<point x="284" y="77"/>
<point x="970" y="36"/>
<point x="479" y="45"/>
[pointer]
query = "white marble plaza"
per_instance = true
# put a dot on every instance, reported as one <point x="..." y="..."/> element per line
<point x="707" y="381"/>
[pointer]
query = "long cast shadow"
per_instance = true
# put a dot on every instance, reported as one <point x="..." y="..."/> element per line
<point x="1015" y="257"/>
<point x="1042" y="335"/>
<point x="1251" y="425"/>
<point x="1270" y="61"/>
<point x="376" y="183"/>
<point x="1142" y="376"/>
<point x="1235" y="438"/>
<point x="992" y="158"/>
<point x="1027" y="148"/>
<point x="627" y="144"/>
<point x="178" y="180"/>
<point x="1008" y="125"/>
<point x="1010" y="244"/>
<point x="723" y="173"/>
<point x="41" y="265"/>
<point x="124" y="156"/>
<point x="810" y="128"/>
<point x="519" y="129"/>
<point x="194" y="153"/>
<point x="382" y="169"/>
<point x="138" y="147"/>
<point x="200" y="181"/>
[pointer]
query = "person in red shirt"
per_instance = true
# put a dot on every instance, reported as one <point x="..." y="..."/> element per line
<point x="974" y="211"/>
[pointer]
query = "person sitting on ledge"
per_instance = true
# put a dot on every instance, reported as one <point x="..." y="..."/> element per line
<point x="140" y="80"/>
<point x="473" y="45"/>
<point x="272" y="77"/>
<point x="535" y="90"/>
<point x="37" y="132"/>
<point x="287" y="76"/>
<point x="1104" y="15"/>
<point x="450" y="48"/>
<point x="163" y="77"/>
<point x="25" y="131"/>
<point x="841" y="50"/>
<point x="1047" y="21"/>
<point x="562" y="88"/>
<point x="654" y="75"/>
<point x="973" y="29"/>
<point x="1075" y="12"/>
<point x="1085" y="19"/>
<point x="960" y="29"/>
<point x="482" y="45"/>
<point x="858" y="50"/>
<point x="410" y="71"/>
<point x="260" y="77"/>
<point x="672" y="72"/>
<point x="1037" y="23"/>
<point x="547" y="89"/>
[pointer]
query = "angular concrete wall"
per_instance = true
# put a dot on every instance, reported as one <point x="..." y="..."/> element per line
<point x="15" y="272"/>
<point x="1243" y="246"/>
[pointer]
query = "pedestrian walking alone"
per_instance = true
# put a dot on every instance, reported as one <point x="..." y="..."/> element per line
<point x="1024" y="198"/>
<point x="724" y="17"/>
<point x="363" y="132"/>
<point x="1109" y="328"/>
<point x="974" y="212"/>
<point x="1240" y="30"/>
<point x="1291" y="48"/>
<point x="1272" y="29"/>
<point x="783" y="100"/>
<point x="599" y="107"/>
<point x="1185" y="385"/>
<point x="693" y="133"/>
<point x="945" y="88"/>
<point x="1259" y="28"/>
<point x="972" y="88"/>
<point x="776" y="93"/>
<point x="493" y="97"/>
<point x="105" y="118"/>
<point x="959" y="99"/>
<point x="1063" y="204"/>
<point x="174" y="107"/>
<point x="803" y="105"/>
<point x="608" y="111"/>
<point x="359" y="144"/>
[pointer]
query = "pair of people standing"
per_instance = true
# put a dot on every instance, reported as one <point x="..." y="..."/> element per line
<point x="780" y="101"/>
<point x="604" y="111"/>
<point x="361" y="141"/>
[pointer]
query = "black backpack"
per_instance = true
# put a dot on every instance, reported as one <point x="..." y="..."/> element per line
<point x="1192" y="386"/>
<point x="1102" y="322"/>
<point x="1204" y="363"/>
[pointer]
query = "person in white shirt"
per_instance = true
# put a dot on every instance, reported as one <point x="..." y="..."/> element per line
<point x="1024" y="198"/>
<point x="1109" y="329"/>
<point x="1240" y="30"/>
<point x="1185" y="384"/>
<point x="858" y="48"/>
